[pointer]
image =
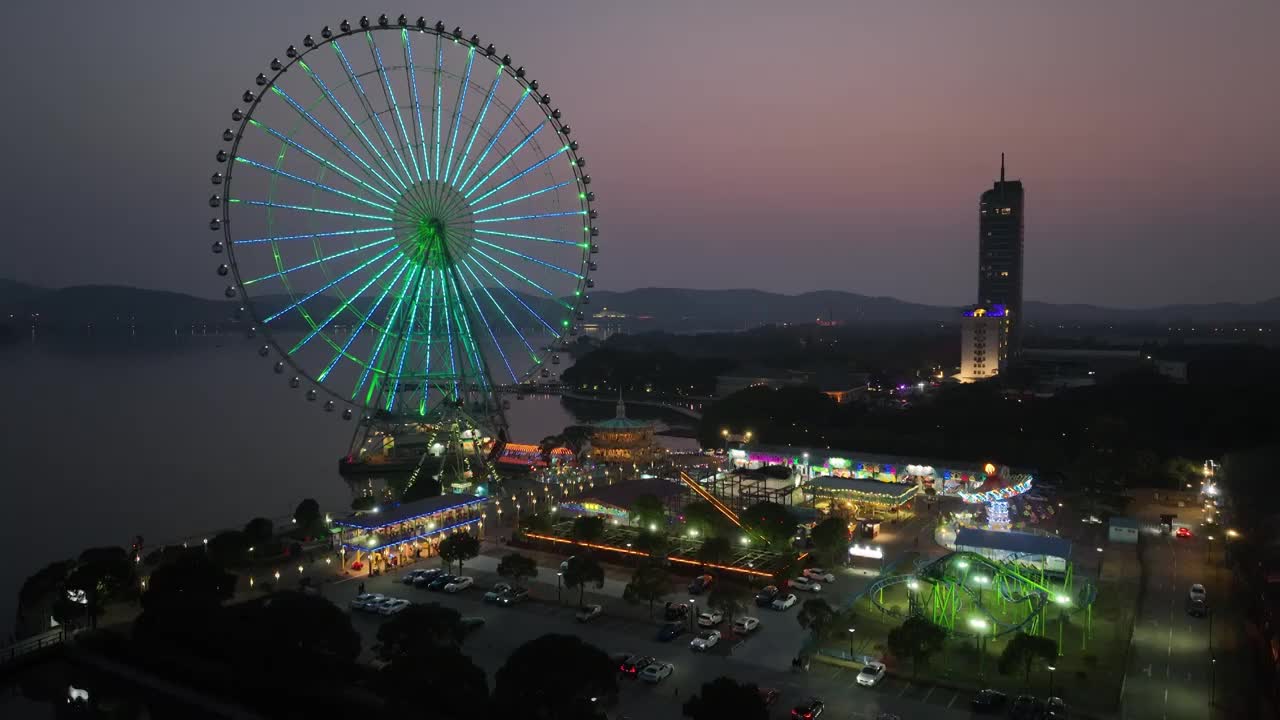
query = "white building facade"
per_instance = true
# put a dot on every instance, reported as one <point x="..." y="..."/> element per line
<point x="984" y="342"/>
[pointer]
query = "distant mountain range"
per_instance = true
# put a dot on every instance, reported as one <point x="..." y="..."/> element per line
<point x="672" y="309"/>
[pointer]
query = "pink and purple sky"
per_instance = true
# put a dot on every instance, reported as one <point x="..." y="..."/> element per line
<point x="795" y="146"/>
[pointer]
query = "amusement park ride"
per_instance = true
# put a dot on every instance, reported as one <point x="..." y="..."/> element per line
<point x="404" y="217"/>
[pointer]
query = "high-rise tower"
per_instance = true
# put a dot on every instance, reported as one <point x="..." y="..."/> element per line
<point x="1000" y="231"/>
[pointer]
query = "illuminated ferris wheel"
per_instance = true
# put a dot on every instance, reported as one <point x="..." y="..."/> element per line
<point x="406" y="220"/>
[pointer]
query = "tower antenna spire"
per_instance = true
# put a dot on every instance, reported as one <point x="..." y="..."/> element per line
<point x="1001" y="167"/>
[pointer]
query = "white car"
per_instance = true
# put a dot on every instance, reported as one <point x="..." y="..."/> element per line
<point x="784" y="601"/>
<point x="589" y="613"/>
<point x="362" y="602"/>
<point x="804" y="583"/>
<point x="657" y="672"/>
<point x="820" y="575"/>
<point x="460" y="583"/>
<point x="871" y="674"/>
<point x="1198" y="593"/>
<point x="377" y="606"/>
<point x="710" y="619"/>
<point x="706" y="640"/>
<point x="393" y="606"/>
<point x="744" y="625"/>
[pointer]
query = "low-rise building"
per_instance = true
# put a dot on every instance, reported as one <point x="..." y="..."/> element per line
<point x="984" y="342"/>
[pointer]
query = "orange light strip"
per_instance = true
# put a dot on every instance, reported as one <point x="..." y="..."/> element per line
<point x="629" y="551"/>
<point x="715" y="502"/>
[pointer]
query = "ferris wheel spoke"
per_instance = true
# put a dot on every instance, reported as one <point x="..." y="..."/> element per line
<point x="530" y="258"/>
<point x="536" y="238"/>
<point x="505" y="159"/>
<point x="536" y="216"/>
<point x="330" y="284"/>
<point x="493" y="140"/>
<point x="526" y="196"/>
<point x="345" y="305"/>
<point x="475" y="127"/>
<point x="373" y="115"/>
<point x="514" y="296"/>
<point x="392" y="104"/>
<point x="405" y="264"/>
<point x="325" y="161"/>
<point x="374" y="359"/>
<point x="365" y="142"/>
<point x="419" y="138"/>
<point x="469" y="345"/>
<point x="457" y="111"/>
<point x="521" y="174"/>
<point x="515" y="328"/>
<point x="312" y="183"/>
<point x="312" y="236"/>
<point x="437" y="103"/>
<point x="480" y="313"/>
<point x="453" y="363"/>
<point x="317" y="261"/>
<point x="406" y="340"/>
<point x="426" y="357"/>
<point x="304" y="208"/>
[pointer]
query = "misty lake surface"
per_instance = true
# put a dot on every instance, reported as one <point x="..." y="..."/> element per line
<point x="169" y="439"/>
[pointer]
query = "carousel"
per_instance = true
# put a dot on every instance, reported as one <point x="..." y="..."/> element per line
<point x="621" y="440"/>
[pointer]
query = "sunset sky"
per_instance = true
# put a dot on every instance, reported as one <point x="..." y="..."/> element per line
<point x="813" y="144"/>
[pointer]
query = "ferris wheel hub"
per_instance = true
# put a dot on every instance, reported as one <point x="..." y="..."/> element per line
<point x="433" y="224"/>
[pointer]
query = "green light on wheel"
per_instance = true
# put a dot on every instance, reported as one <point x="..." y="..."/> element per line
<point x="582" y="196"/>
<point x="564" y="323"/>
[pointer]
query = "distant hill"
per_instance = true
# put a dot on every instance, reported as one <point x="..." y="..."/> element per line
<point x="672" y="309"/>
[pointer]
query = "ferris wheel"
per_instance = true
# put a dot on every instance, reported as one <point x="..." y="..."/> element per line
<point x="406" y="220"/>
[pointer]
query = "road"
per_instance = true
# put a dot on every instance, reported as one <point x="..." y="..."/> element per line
<point x="1170" y="667"/>
<point x="763" y="658"/>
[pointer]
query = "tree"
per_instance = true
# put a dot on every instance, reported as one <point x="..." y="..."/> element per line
<point x="229" y="549"/>
<point x="363" y="503"/>
<point x="649" y="584"/>
<point x="539" y="522"/>
<point x="295" y="626"/>
<point x="517" y="568"/>
<point x="459" y="547"/>
<point x="1023" y="650"/>
<point x="183" y="595"/>
<point x="815" y="615"/>
<point x="580" y="571"/>
<point x="259" y="530"/>
<point x="729" y="598"/>
<point x="654" y="543"/>
<point x="703" y="518"/>
<point x="307" y="515"/>
<point x="102" y="574"/>
<point x="39" y="596"/>
<point x="555" y="677"/>
<point x="916" y="638"/>
<point x="726" y="698"/>
<point x="831" y="539"/>
<point x="587" y="529"/>
<point x="421" y="630"/>
<point x="715" y="550"/>
<point x="457" y="688"/>
<point x="771" y="521"/>
<point x="648" y="512"/>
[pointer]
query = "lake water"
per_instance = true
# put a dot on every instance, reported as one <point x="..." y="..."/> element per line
<point x="168" y="439"/>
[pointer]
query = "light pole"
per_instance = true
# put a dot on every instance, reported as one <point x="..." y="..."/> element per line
<point x="724" y="433"/>
<point x="693" y="610"/>
<point x="1063" y="602"/>
<point x="979" y="640"/>
<point x="1101" y="559"/>
<point x="558" y="586"/>
<point x="851" y="632"/>
<point x="1213" y="678"/>
<point x="1209" y="552"/>
<point x="1051" y="669"/>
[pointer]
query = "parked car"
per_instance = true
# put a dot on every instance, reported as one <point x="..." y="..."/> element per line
<point x="710" y="618"/>
<point x="810" y="709"/>
<point x="565" y="565"/>
<point x="496" y="592"/>
<point x="362" y="602"/>
<point x="413" y="575"/>
<point x="393" y="606"/>
<point x="427" y="576"/>
<point x="871" y="674"/>
<point x="701" y="584"/>
<point x="460" y="583"/>
<point x="988" y="701"/>
<point x="769" y="696"/>
<point x="820" y="575"/>
<point x="706" y="640"/>
<point x="657" y="672"/>
<point x="1183" y="532"/>
<point x="1055" y="708"/>
<point x="782" y="602"/>
<point x="589" y="613"/>
<point x="634" y="664"/>
<point x="766" y="595"/>
<point x="675" y="611"/>
<point x="1026" y="707"/>
<point x="670" y="631"/>
<point x="378" y="605"/>
<point x="1199" y="593"/>
<point x="745" y="625"/>
<point x="1197" y="608"/>
<point x="804" y="583"/>
<point x="438" y="582"/>
<point x="513" y="596"/>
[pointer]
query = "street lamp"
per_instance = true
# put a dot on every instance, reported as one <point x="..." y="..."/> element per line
<point x="1051" y="669"/>
<point x="979" y="641"/>
<point x="851" y="632"/>
<point x="1101" y="559"/>
<point x="558" y="586"/>
<point x="693" y="610"/>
